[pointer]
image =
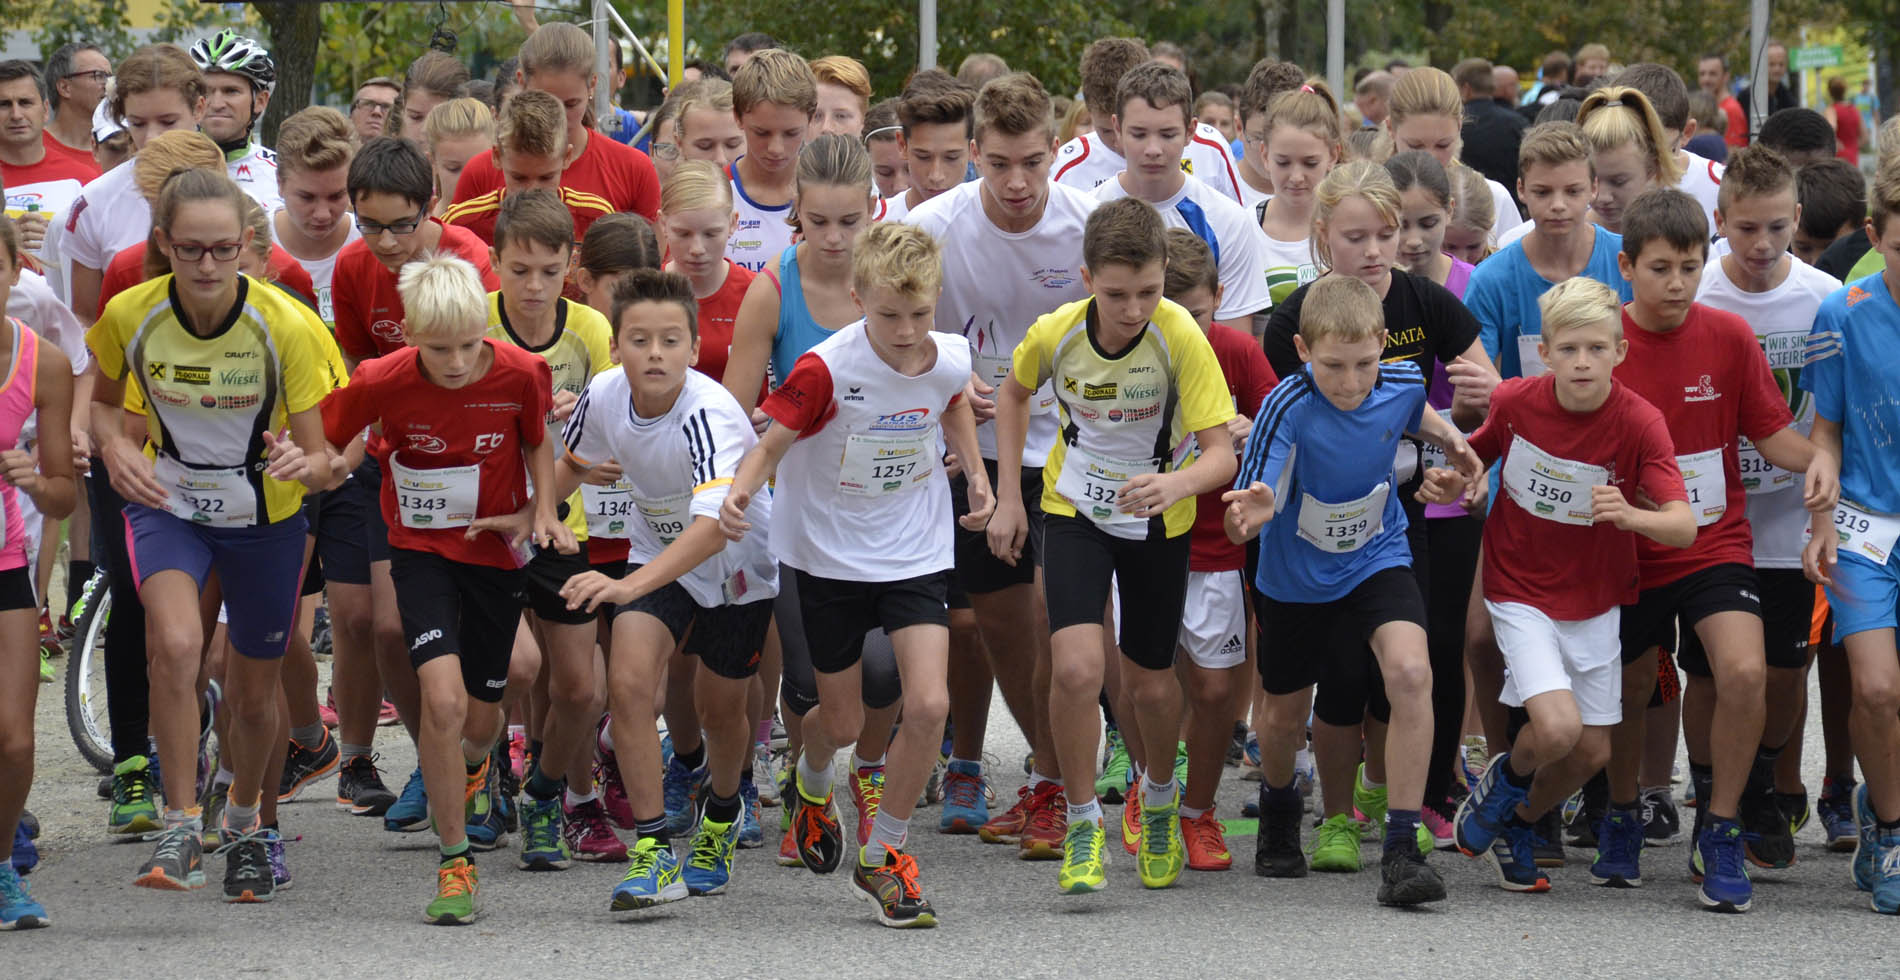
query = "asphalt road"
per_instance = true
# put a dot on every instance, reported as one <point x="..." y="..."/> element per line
<point x="355" y="911"/>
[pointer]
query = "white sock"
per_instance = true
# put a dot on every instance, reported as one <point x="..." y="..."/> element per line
<point x="887" y="834"/>
<point x="1155" y="794"/>
<point x="1368" y="783"/>
<point x="1191" y="813"/>
<point x="860" y="762"/>
<point x="814" y="782"/>
<point x="1036" y="779"/>
<point x="978" y="763"/>
<point x="1092" y="810"/>
<point x="604" y="741"/>
<point x="225" y="777"/>
<point x="573" y="801"/>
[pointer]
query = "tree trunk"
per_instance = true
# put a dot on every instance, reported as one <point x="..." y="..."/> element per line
<point x="296" y="31"/>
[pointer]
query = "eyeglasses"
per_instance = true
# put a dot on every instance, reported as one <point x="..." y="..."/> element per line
<point x="372" y="105"/>
<point x="371" y="229"/>
<point x="194" y="252"/>
<point x="97" y="74"/>
<point x="665" y="151"/>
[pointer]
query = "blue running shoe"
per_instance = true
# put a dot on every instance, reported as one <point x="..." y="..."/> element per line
<point x="1867" y="841"/>
<point x="1482" y="814"/>
<point x="652" y="879"/>
<point x="1886" y="898"/>
<point x="965" y="810"/>
<point x="751" y="831"/>
<point x="1718" y="856"/>
<point x="18" y="910"/>
<point x="1835" y="807"/>
<point x="1619" y="850"/>
<point x="410" y="812"/>
<point x="680" y="788"/>
<point x="26" y="854"/>
<point x="543" y="838"/>
<point x="486" y="830"/>
<point x="710" y="865"/>
<point x="1513" y="855"/>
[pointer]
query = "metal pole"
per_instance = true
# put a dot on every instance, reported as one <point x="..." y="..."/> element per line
<point x="675" y="41"/>
<point x="1336" y="46"/>
<point x="603" y="68"/>
<point x="1758" y="65"/>
<point x="926" y="33"/>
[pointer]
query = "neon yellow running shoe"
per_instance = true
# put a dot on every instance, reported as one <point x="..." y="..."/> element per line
<point x="457" y="895"/>
<point x="1163" y="852"/>
<point x="1336" y="847"/>
<point x="1084" y="859"/>
<point x="1369" y="806"/>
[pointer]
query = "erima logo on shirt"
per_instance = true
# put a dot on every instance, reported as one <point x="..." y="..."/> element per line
<point x="1703" y="391"/>
<point x="854" y="394"/>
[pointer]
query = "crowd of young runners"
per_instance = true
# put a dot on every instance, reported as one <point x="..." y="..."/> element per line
<point x="645" y="480"/>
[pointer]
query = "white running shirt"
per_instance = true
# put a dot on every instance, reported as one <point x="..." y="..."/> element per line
<point x="1238" y="244"/>
<point x="1085" y="162"/>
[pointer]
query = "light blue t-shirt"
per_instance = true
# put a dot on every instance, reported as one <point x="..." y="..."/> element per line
<point x="1504" y="290"/>
<point x="1336" y="458"/>
<point x="1853" y="369"/>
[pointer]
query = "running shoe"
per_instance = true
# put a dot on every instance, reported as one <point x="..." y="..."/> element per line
<point x="1512" y="853"/>
<point x="1435" y="819"/>
<point x="932" y="793"/>
<point x="48" y="673"/>
<point x="820" y="836"/>
<point x="1336" y="847"/>
<point x="1250" y="758"/>
<point x="18" y="910"/>
<point x="680" y="788"/>
<point x="867" y="791"/>
<point x="1483" y="813"/>
<point x="483" y="822"/>
<point x="387" y="715"/>
<point x="1835" y="807"/>
<point x="1007" y="827"/>
<point x="1886" y="898"/>
<point x="1277" y="851"/>
<point x="589" y="835"/>
<point x="767" y="771"/>
<point x="134" y="809"/>
<point x="326" y="712"/>
<point x="751" y="827"/>
<point x="1473" y="756"/>
<point x="304" y="765"/>
<point x="65" y="630"/>
<point x="964" y="809"/>
<point x="1661" y="823"/>
<point x="274" y="850"/>
<point x="1237" y="745"/>
<point x="49" y="644"/>
<point x="1773" y="843"/>
<point x="1368" y="806"/>
<point x="247" y="871"/>
<point x="211" y="813"/>
<point x="177" y="864"/>
<point x="1181" y="764"/>
<point x="613" y="790"/>
<point x="518" y="753"/>
<point x="1550" y="840"/>
<point x="1719" y="858"/>
<point x="892" y="890"/>
<point x="543" y="838"/>
<point x="1118" y="773"/>
<point x="410" y="812"/>
<point x="788" y="849"/>
<point x="1131" y="822"/>
<point x="1619" y="858"/>
<point x="1048" y="826"/>
<point x="457" y="894"/>
<point x="29" y="825"/>
<point x="1305" y="775"/>
<point x="1406" y="880"/>
<point x="652" y="879"/>
<point x="1583" y="812"/>
<point x="360" y="789"/>
<point x="505" y="789"/>
<point x="1084" y="859"/>
<point x="1867" y="841"/>
<point x="1794" y="808"/>
<point x="709" y="864"/>
<point x="26" y="854"/>
<point x="1206" y="844"/>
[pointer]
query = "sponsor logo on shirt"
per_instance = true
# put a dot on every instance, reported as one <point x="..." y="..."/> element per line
<point x="388" y="330"/>
<point x="191" y="374"/>
<point x="1141" y="391"/>
<point x="854" y="394"/>
<point x="155" y="370"/>
<point x="1053" y="278"/>
<point x="240" y="354"/>
<point x="239" y="401"/>
<point x="1187" y="166"/>
<point x="1702" y="391"/>
<point x="1097" y="393"/>
<point x="166" y="396"/>
<point x="1133" y="414"/>
<point x="1142" y="369"/>
<point x="1854" y="293"/>
<point x="425" y="443"/>
<point x="235" y="377"/>
<point x="1085" y="412"/>
<point x="908" y="420"/>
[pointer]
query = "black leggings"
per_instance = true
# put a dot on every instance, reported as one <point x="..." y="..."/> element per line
<point x="1454" y="544"/>
<point x="127" y="691"/>
<point x="798" y="684"/>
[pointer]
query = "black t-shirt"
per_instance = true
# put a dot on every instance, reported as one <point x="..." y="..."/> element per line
<point x="1839" y="259"/>
<point x="1424" y="323"/>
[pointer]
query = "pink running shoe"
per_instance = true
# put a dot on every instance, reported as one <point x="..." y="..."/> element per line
<point x="613" y="791"/>
<point x="589" y="835"/>
<point x="518" y="753"/>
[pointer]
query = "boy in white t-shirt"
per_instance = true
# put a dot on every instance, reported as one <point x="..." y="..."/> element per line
<point x="1087" y="161"/>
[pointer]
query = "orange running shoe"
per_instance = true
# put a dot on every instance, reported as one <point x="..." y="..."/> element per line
<point x="1048" y="824"/>
<point x="1007" y="827"/>
<point x="1131" y="821"/>
<point x="1206" y="845"/>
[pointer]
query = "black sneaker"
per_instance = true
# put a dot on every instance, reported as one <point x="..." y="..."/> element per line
<point x="1405" y="879"/>
<point x="247" y="870"/>
<point x="816" y="830"/>
<point x="1661" y="823"/>
<point x="1581" y="829"/>
<point x="360" y="789"/>
<point x="1762" y="818"/>
<point x="1549" y="850"/>
<point x="306" y="764"/>
<point x="1277" y="851"/>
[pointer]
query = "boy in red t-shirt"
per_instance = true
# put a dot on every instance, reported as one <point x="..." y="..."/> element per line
<point x="1578" y="451"/>
<point x="462" y="421"/>
<point x="1215" y="640"/>
<point x="1703" y="369"/>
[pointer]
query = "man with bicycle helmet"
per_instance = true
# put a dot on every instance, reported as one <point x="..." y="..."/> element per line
<point x="239" y="76"/>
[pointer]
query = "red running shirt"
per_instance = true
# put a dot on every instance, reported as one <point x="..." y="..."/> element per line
<point x="368" y="308"/>
<point x="1249" y="379"/>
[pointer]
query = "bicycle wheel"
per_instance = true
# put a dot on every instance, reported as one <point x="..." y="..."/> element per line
<point x="86" y="677"/>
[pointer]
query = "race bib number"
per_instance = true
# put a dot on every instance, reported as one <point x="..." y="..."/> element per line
<point x="1530" y="364"/>
<point x="1708" y="490"/>
<point x="1866" y="533"/>
<point x="609" y="508"/>
<point x="1432" y="457"/>
<point x="1093" y="483"/>
<point x="1346" y="527"/>
<point x="1758" y="474"/>
<point x="667" y="517"/>
<point x="220" y="498"/>
<point x="436" y="498"/>
<point x="877" y="465"/>
<point x="1549" y="487"/>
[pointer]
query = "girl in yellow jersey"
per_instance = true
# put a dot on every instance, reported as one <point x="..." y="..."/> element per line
<point x="232" y="372"/>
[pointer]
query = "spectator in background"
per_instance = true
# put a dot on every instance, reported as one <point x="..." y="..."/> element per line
<point x="1593" y="62"/>
<point x="980" y="68"/>
<point x="1780" y="96"/>
<point x="740" y="49"/>
<point x="1372" y="97"/>
<point x="1710" y="123"/>
<point x="1491" y="132"/>
<point x="370" y="109"/>
<point x="1802" y="135"/>
<point x="1845" y="119"/>
<point x="1712" y="75"/>
<point x="1504" y="78"/>
<point x="1833" y="198"/>
<point x="42" y="176"/>
<point x="1552" y="76"/>
<point x="76" y="77"/>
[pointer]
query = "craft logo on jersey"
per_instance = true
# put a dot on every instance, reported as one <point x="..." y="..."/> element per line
<point x="908" y="420"/>
<point x="1053" y="278"/>
<point x="1701" y="391"/>
<point x="389" y="330"/>
<point x="191" y="374"/>
<point x="240" y="354"/>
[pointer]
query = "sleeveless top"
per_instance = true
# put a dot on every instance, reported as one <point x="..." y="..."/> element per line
<point x="17" y="393"/>
<point x="798" y="331"/>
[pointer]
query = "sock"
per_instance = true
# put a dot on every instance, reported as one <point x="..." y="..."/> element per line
<point x="308" y="736"/>
<point x="1191" y="813"/>
<point x="722" y="809"/>
<point x="239" y="819"/>
<point x="1092" y="810"/>
<point x="746" y="775"/>
<point x="1887" y="826"/>
<point x="225" y="777"/>
<point x="860" y="762"/>
<point x="189" y="817"/>
<point x="978" y="764"/>
<point x="452" y="851"/>
<point x="1761" y="775"/>
<point x="348" y="751"/>
<point x="1702" y="780"/>
<point x="1155" y="794"/>
<point x="763" y="733"/>
<point x="604" y="738"/>
<point x="1366" y="783"/>
<point x="887" y="834"/>
<point x="534" y="749"/>
<point x="1511" y="776"/>
<point x="654" y="827"/>
<point x="814" y="783"/>
<point x="78" y="571"/>
<point x="540" y="786"/>
<point x="1280" y="798"/>
<point x="1629" y="807"/>
<point x="692" y="760"/>
<point x="1401" y="830"/>
<point x="573" y="801"/>
<point x="1036" y="779"/>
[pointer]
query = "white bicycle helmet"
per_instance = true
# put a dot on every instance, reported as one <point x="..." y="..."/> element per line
<point x="232" y="53"/>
